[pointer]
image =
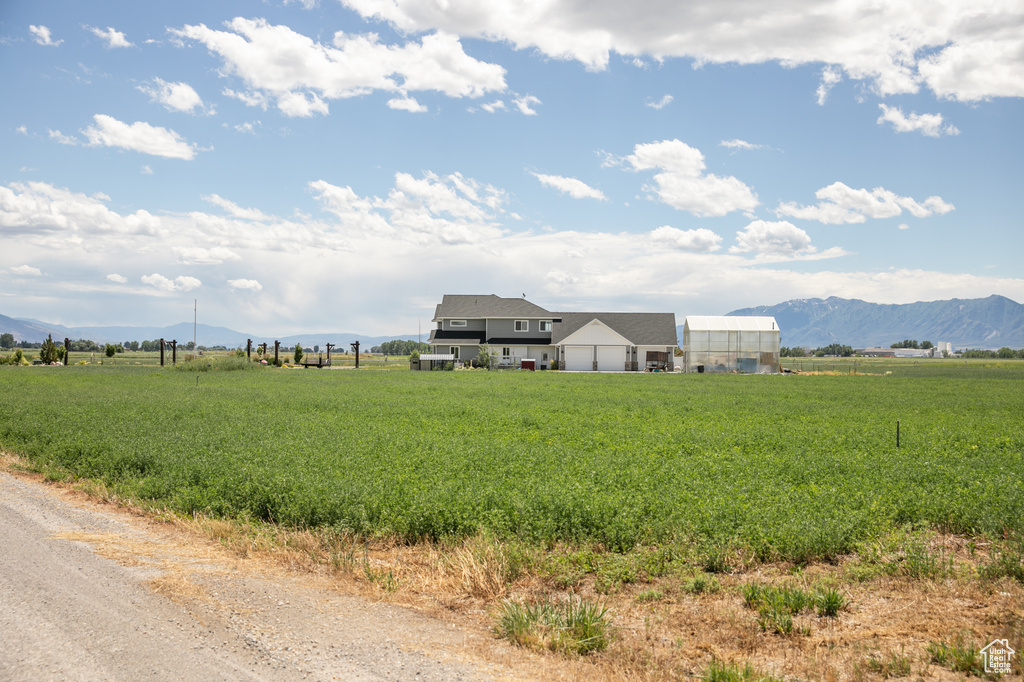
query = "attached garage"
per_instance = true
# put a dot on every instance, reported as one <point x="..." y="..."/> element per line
<point x="579" y="358"/>
<point x="611" y="358"/>
<point x="611" y="342"/>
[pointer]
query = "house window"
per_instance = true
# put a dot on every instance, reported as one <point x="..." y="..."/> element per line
<point x="545" y="325"/>
<point x="456" y="323"/>
<point x="454" y="351"/>
<point x="522" y="325"/>
<point x="506" y="352"/>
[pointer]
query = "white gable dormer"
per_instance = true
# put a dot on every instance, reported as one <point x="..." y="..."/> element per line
<point x="595" y="333"/>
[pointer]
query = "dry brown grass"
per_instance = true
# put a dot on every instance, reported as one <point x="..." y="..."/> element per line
<point x="661" y="629"/>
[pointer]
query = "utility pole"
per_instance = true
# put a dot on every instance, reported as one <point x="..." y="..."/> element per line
<point x="355" y="347"/>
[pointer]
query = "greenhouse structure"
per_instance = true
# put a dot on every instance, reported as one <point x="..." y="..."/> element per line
<point x="742" y="345"/>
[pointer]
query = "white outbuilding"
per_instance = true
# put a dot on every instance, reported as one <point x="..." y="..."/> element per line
<point x="745" y="345"/>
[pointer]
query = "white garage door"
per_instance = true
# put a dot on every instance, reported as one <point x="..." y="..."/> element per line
<point x="579" y="359"/>
<point x="611" y="358"/>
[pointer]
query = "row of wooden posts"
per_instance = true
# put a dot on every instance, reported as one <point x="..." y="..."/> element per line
<point x="173" y="344"/>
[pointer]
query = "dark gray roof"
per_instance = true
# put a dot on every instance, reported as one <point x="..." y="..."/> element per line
<point x="438" y="335"/>
<point x="471" y="306"/>
<point x="642" y="329"/>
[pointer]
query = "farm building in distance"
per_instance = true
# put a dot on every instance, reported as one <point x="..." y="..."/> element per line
<point x="516" y="329"/>
<point x="748" y="345"/>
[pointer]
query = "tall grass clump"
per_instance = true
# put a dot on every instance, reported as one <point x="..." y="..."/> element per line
<point x="576" y="626"/>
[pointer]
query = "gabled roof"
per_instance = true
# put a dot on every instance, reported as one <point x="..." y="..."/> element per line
<point x="734" y="323"/>
<point x="642" y="329"/>
<point x="473" y="306"/>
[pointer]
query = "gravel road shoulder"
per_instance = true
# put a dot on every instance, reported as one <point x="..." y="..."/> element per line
<point x="89" y="592"/>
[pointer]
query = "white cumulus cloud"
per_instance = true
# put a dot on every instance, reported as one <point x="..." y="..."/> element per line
<point x="183" y="283"/>
<point x="841" y="204"/>
<point x="740" y="144"/>
<point x="960" y="50"/>
<point x="781" y="237"/>
<point x="683" y="184"/>
<point x="139" y="136"/>
<point x="661" y="103"/>
<point x="245" y="285"/>
<point x="26" y="271"/>
<point x="112" y="37"/>
<point x="174" y="96"/>
<point x="117" y="279"/>
<point x="830" y="77"/>
<point x="526" y="105"/>
<point x="700" y="240"/>
<point x="301" y="74"/>
<point x="406" y="103"/>
<point x="41" y="34"/>
<point x="577" y="189"/>
<point x="926" y="124"/>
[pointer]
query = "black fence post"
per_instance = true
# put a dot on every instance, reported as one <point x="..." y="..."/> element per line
<point x="161" y="352"/>
<point x="355" y="347"/>
<point x="174" y="352"/>
<point x="277" y="347"/>
<point x="67" y="351"/>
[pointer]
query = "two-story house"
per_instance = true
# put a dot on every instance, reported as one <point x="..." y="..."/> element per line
<point x="515" y="329"/>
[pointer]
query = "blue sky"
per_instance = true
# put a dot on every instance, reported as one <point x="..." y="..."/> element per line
<point x="340" y="165"/>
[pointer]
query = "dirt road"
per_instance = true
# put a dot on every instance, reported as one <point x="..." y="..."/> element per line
<point x="88" y="594"/>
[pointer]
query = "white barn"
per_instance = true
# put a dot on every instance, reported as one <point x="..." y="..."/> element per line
<point x="746" y="345"/>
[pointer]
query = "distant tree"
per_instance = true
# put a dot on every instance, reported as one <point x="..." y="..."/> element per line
<point x="316" y="348"/>
<point x="794" y="352"/>
<point x="6" y="340"/>
<point x="400" y="347"/>
<point x="85" y="346"/>
<point x="48" y="351"/>
<point x="1005" y="352"/>
<point x="376" y="349"/>
<point x="927" y="344"/>
<point x="906" y="343"/>
<point x="834" y="349"/>
<point x="110" y="350"/>
<point x="298" y="352"/>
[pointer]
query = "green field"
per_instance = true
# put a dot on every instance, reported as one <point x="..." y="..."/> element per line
<point x="799" y="467"/>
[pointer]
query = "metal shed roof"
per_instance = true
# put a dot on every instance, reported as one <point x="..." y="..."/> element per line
<point x="705" y="323"/>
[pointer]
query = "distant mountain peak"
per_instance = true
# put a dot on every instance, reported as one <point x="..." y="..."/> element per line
<point x="994" y="321"/>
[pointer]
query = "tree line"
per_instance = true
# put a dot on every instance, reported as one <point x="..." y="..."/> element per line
<point x="399" y="347"/>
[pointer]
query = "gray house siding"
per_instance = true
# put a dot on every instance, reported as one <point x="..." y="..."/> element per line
<point x="471" y="325"/>
<point x="506" y="329"/>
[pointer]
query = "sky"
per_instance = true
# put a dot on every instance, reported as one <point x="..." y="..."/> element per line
<point x="325" y="165"/>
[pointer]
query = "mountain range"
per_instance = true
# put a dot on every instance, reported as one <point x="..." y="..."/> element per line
<point x="36" y="331"/>
<point x="992" y="322"/>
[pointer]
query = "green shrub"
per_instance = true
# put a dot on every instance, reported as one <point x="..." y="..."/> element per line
<point x="298" y="352"/>
<point x="48" y="351"/>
